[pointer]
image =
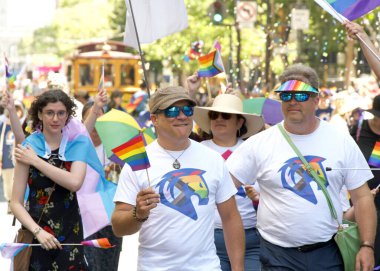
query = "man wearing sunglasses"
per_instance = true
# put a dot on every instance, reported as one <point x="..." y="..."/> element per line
<point x="294" y="220"/>
<point x="173" y="203"/>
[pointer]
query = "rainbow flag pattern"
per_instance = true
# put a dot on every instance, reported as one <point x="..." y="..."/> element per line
<point x="353" y="9"/>
<point x="100" y="243"/>
<point x="374" y="159"/>
<point x="210" y="64"/>
<point x="295" y="85"/>
<point x="133" y="153"/>
<point x="9" y="250"/>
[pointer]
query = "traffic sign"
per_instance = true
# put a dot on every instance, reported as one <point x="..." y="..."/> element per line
<point x="246" y="12"/>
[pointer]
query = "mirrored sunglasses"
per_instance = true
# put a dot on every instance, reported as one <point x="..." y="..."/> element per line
<point x="298" y="96"/>
<point x="174" y="111"/>
<point x="213" y="115"/>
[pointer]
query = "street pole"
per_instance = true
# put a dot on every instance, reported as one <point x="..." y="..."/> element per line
<point x="268" y="50"/>
<point x="230" y="61"/>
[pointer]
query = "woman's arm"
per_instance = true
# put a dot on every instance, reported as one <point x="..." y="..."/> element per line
<point x="96" y="110"/>
<point x="353" y="29"/>
<point x="71" y="180"/>
<point x="8" y="103"/>
<point x="47" y="240"/>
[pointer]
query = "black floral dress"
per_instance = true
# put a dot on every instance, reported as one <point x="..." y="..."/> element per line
<point x="61" y="218"/>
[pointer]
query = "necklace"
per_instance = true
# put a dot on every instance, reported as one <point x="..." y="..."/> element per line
<point x="176" y="164"/>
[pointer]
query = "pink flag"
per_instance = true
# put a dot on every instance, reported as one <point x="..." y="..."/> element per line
<point x="9" y="250"/>
<point x="100" y="243"/>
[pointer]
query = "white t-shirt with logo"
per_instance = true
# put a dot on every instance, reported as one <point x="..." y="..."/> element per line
<point x="179" y="234"/>
<point x="244" y="203"/>
<point x="293" y="210"/>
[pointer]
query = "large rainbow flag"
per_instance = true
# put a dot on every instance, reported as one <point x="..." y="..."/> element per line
<point x="133" y="152"/>
<point x="210" y="64"/>
<point x="350" y="9"/>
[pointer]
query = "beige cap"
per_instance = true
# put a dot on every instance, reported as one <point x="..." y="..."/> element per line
<point x="165" y="97"/>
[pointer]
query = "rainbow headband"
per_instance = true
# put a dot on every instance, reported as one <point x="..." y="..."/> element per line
<point x="295" y="85"/>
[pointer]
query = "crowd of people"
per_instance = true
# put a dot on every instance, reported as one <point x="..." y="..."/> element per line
<point x="232" y="194"/>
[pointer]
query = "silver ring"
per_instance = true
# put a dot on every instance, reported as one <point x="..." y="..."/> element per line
<point x="147" y="202"/>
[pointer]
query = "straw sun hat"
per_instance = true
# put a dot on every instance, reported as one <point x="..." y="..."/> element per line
<point x="228" y="103"/>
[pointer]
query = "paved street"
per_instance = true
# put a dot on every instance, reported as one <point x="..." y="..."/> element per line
<point x="128" y="256"/>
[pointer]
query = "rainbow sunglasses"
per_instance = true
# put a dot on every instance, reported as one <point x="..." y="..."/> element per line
<point x="295" y="85"/>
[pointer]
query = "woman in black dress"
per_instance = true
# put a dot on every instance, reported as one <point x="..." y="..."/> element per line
<point x="50" y="174"/>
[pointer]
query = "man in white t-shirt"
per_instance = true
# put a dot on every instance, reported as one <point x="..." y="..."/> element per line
<point x="172" y="204"/>
<point x="294" y="219"/>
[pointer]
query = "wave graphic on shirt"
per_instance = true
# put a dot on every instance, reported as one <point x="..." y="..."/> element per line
<point x="177" y="187"/>
<point x="295" y="178"/>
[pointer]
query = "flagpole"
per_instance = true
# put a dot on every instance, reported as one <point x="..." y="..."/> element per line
<point x="208" y="89"/>
<point x="140" y="51"/>
<point x="347" y="168"/>
<point x="147" y="174"/>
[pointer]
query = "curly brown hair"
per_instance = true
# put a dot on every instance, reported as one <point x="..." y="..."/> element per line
<point x="50" y="96"/>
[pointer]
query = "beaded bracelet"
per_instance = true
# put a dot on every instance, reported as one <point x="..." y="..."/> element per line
<point x="137" y="218"/>
<point x="36" y="231"/>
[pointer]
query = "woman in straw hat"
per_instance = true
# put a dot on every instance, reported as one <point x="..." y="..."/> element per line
<point x="228" y="125"/>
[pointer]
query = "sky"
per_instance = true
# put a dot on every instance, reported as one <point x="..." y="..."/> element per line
<point x="32" y="15"/>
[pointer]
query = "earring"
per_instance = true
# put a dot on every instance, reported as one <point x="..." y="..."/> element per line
<point x="239" y="133"/>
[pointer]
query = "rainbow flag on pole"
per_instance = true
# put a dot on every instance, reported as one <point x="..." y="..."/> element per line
<point x="350" y="9"/>
<point x="133" y="152"/>
<point x="210" y="64"/>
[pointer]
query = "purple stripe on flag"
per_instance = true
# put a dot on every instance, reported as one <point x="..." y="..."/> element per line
<point x="359" y="8"/>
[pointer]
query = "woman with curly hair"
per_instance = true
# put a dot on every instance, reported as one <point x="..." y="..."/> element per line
<point x="51" y="211"/>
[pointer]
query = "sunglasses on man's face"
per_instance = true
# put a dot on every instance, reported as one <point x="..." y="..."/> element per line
<point x="174" y="111"/>
<point x="298" y="96"/>
<point x="214" y="115"/>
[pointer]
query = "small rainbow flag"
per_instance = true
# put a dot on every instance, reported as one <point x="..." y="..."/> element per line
<point x="133" y="152"/>
<point x="374" y="159"/>
<point x="101" y="81"/>
<point x="100" y="243"/>
<point x="210" y="64"/>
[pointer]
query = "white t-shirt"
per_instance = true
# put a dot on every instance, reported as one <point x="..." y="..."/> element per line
<point x="293" y="210"/>
<point x="179" y="234"/>
<point x="244" y="204"/>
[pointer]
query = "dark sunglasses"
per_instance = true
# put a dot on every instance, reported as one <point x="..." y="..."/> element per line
<point x="173" y="111"/>
<point x="214" y="115"/>
<point x="298" y="96"/>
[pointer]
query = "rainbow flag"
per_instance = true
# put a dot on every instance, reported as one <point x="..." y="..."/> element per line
<point x="374" y="159"/>
<point x="9" y="250"/>
<point x="210" y="64"/>
<point x="133" y="152"/>
<point x="100" y="243"/>
<point x="10" y="78"/>
<point x="350" y="9"/>
<point x="353" y="9"/>
<point x="101" y="80"/>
